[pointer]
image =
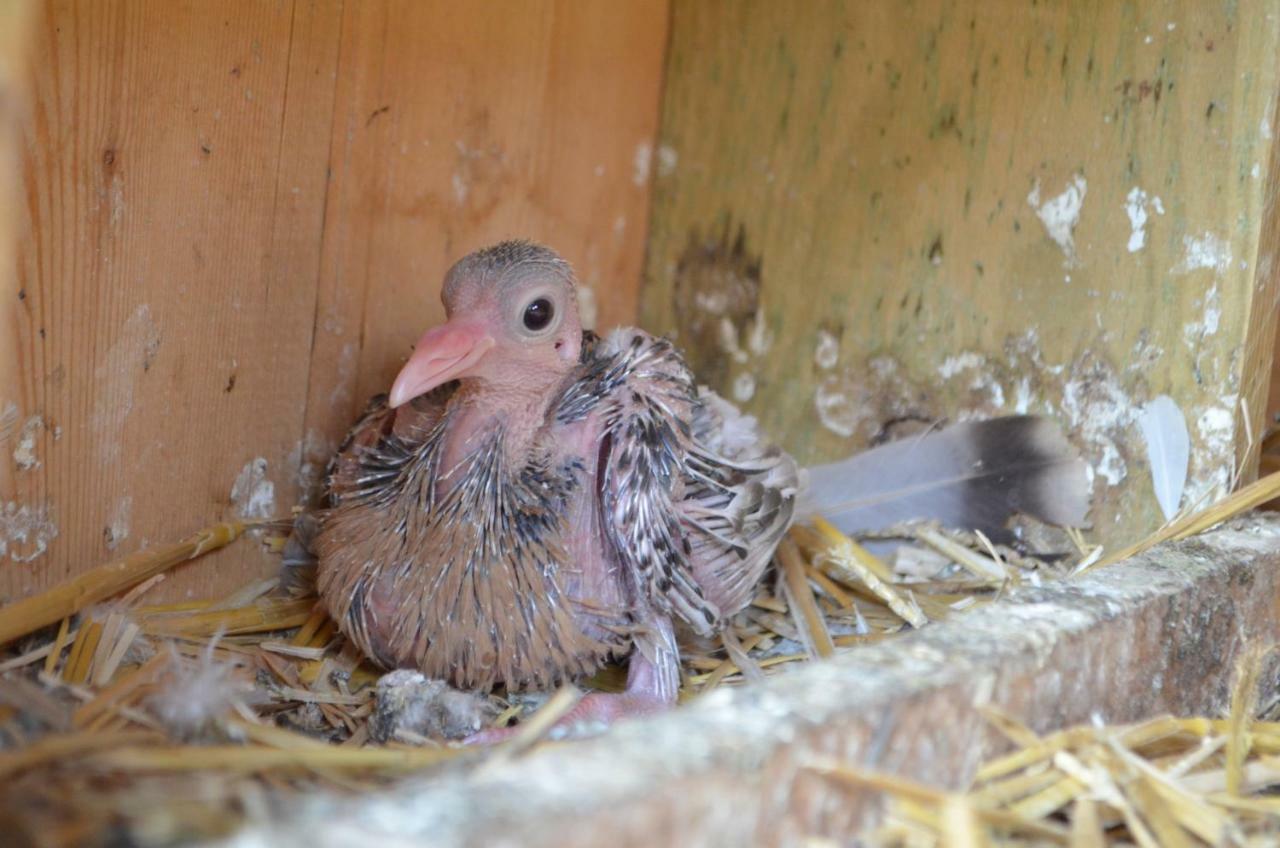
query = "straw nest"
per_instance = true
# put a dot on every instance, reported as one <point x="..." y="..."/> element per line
<point x="165" y="723"/>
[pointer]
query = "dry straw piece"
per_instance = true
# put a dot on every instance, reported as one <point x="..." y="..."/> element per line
<point x="89" y="743"/>
<point x="1162" y="782"/>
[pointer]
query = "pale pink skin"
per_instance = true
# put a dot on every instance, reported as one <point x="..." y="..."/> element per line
<point x="504" y="375"/>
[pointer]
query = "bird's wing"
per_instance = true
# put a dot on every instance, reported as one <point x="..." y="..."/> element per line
<point x="684" y="521"/>
<point x="740" y="496"/>
<point x="379" y="440"/>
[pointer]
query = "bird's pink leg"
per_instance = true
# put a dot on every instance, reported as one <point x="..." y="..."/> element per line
<point x="653" y="680"/>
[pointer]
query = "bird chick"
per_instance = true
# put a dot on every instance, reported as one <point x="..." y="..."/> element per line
<point x="531" y="501"/>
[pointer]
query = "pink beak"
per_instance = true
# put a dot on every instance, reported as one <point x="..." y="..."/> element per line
<point x="444" y="353"/>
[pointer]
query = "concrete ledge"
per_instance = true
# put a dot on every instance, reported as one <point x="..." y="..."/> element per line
<point x="1156" y="634"/>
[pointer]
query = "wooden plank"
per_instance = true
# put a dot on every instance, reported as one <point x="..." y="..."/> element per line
<point x="456" y="127"/>
<point x="229" y="242"/>
<point x="1156" y="634"/>
<point x="171" y="230"/>
<point x="16" y="20"/>
<point x="869" y="212"/>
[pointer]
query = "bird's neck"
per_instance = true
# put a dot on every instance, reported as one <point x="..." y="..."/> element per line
<point x="478" y="409"/>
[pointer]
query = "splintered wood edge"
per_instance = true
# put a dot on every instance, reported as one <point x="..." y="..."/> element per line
<point x="1155" y="634"/>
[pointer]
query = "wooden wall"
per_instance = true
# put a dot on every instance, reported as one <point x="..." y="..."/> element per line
<point x="233" y="221"/>
<point x="871" y="212"/>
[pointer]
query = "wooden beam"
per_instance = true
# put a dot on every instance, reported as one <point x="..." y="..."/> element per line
<point x="1156" y="634"/>
<point x="867" y="213"/>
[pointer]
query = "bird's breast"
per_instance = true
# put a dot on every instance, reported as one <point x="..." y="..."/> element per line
<point x="487" y="572"/>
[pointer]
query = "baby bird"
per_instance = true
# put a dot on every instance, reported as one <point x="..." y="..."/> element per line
<point x="531" y="501"/>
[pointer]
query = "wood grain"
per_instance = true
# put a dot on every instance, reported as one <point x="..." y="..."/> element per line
<point x="226" y="241"/>
<point x="455" y="128"/>
<point x="866" y="217"/>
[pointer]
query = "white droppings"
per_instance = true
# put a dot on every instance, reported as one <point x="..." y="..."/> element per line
<point x="1264" y="126"/>
<point x="1022" y="397"/>
<point x="991" y="386"/>
<point x="1096" y="407"/>
<point x="714" y="302"/>
<point x="640" y="163"/>
<point x="827" y="353"/>
<point x="25" y="532"/>
<point x="1171" y="26"/>
<point x="1135" y="206"/>
<point x="24" y="453"/>
<point x="118" y="523"/>
<point x="1061" y="214"/>
<point x="667" y="160"/>
<point x="953" y="365"/>
<point x="729" y="340"/>
<point x="1256" y="170"/>
<point x="744" y="387"/>
<point x="252" y="494"/>
<point x="587" y="306"/>
<point x="308" y="458"/>
<point x="982" y="377"/>
<point x="1204" y="251"/>
<point x="838" y="412"/>
<point x="1213" y="451"/>
<point x="759" y="338"/>
<point x="1194" y="332"/>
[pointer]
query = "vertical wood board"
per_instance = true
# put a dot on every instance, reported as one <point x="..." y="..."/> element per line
<point x="533" y="120"/>
<point x="225" y="241"/>
<point x="871" y="214"/>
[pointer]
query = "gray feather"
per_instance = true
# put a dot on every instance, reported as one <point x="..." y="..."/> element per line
<point x="973" y="475"/>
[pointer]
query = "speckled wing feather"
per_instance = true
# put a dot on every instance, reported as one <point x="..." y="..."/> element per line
<point x="693" y="528"/>
<point x="355" y="466"/>
<point x="739" y="500"/>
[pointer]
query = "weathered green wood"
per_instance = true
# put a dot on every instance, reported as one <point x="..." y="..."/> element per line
<point x="874" y="211"/>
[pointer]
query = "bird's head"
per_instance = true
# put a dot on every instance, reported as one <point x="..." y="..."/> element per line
<point x="513" y="324"/>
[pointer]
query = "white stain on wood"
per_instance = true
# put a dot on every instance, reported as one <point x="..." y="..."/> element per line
<point x="252" y="494"/>
<point x="24" y="453"/>
<point x="827" y="353"/>
<point x="1060" y="215"/>
<point x="25" y="531"/>
<point x="118" y="524"/>
<point x="1205" y="251"/>
<point x="667" y="160"/>
<point x="1136" y="205"/>
<point x="640" y="163"/>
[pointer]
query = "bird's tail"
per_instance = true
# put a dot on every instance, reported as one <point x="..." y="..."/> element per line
<point x="973" y="475"/>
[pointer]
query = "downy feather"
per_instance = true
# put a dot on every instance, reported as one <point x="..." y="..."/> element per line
<point x="1168" y="450"/>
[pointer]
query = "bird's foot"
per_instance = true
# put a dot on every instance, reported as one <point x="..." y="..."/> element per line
<point x="592" y="714"/>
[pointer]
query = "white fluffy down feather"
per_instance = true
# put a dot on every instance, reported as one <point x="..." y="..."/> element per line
<point x="739" y="435"/>
<point x="195" y="692"/>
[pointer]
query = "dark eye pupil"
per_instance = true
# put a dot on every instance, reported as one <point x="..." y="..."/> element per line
<point x="538" y="314"/>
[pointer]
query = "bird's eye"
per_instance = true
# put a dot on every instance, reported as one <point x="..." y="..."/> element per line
<point x="538" y="315"/>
